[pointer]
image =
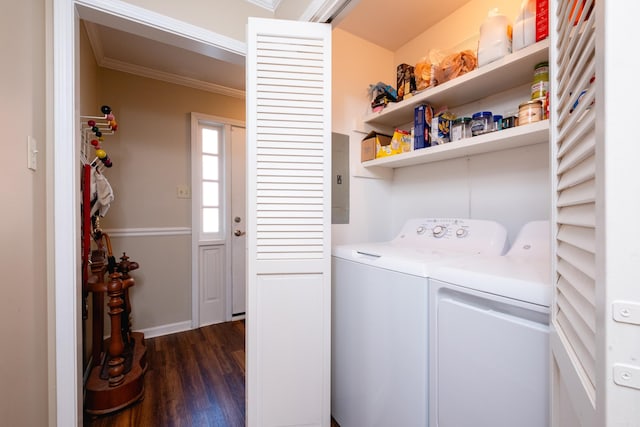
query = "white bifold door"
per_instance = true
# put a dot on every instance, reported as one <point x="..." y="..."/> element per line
<point x="288" y="223"/>
<point x="595" y="338"/>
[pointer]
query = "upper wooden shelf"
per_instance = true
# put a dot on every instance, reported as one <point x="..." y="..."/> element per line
<point x="511" y="71"/>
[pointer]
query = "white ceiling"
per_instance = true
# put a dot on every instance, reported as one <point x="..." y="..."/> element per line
<point x="387" y="23"/>
<point x="392" y="23"/>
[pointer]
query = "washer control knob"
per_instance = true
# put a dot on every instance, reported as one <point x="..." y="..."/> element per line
<point x="439" y="230"/>
<point x="420" y="230"/>
<point x="461" y="232"/>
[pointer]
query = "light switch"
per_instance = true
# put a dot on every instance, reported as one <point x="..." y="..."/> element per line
<point x="32" y="153"/>
<point x="183" y="192"/>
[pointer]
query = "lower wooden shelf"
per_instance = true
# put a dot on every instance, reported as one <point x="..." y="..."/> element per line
<point x="534" y="133"/>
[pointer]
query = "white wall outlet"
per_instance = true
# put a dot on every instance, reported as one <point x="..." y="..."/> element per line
<point x="32" y="153"/>
<point x="183" y="192"/>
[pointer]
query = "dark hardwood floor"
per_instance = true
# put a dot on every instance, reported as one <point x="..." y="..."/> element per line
<point x="194" y="378"/>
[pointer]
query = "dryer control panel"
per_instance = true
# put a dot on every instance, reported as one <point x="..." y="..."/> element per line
<point x="457" y="234"/>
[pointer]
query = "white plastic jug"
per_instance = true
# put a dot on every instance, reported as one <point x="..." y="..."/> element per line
<point x="495" y="38"/>
<point x="524" y="29"/>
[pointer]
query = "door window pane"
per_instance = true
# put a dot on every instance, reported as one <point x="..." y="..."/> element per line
<point x="210" y="139"/>
<point x="210" y="220"/>
<point x="210" y="194"/>
<point x="210" y="167"/>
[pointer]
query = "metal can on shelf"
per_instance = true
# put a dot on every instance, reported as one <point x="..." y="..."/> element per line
<point x="529" y="112"/>
<point x="509" y="121"/>
<point x="461" y="128"/>
<point x="481" y="122"/>
<point x="540" y="84"/>
<point x="497" y="122"/>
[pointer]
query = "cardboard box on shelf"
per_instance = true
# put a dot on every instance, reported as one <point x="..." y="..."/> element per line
<point x="423" y="114"/>
<point x="370" y="143"/>
<point x="405" y="81"/>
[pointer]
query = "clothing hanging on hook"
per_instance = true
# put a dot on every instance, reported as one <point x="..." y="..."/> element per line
<point x="101" y="193"/>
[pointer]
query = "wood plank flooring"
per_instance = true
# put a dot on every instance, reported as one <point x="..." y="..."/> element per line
<point x="195" y="378"/>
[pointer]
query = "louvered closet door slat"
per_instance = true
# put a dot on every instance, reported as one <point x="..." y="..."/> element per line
<point x="579" y="194"/>
<point x="579" y="281"/>
<point x="579" y="173"/>
<point x="583" y="307"/>
<point x="582" y="215"/>
<point x="584" y="46"/>
<point x="579" y="327"/>
<point x="568" y="140"/>
<point x="580" y="237"/>
<point x="581" y="150"/>
<point x="577" y="346"/>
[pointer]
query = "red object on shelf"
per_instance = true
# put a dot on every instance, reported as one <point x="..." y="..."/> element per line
<point x="542" y="19"/>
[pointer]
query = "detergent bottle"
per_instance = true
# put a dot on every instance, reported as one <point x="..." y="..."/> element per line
<point x="524" y="29"/>
<point x="495" y="38"/>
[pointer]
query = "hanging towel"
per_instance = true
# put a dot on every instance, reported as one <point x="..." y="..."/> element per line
<point x="101" y="188"/>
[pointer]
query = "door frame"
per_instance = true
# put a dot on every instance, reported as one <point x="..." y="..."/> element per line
<point x="63" y="204"/>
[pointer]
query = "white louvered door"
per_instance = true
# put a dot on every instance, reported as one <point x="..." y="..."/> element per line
<point x="288" y="224"/>
<point x="594" y="343"/>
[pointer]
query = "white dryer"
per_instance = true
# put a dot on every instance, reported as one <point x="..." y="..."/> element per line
<point x="380" y="318"/>
<point x="489" y="337"/>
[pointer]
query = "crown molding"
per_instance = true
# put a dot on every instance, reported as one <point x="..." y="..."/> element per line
<point x="138" y="70"/>
<point x="270" y="5"/>
<point x="93" y="34"/>
<point x="103" y="61"/>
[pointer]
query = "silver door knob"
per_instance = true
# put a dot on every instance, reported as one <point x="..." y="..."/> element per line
<point x="239" y="233"/>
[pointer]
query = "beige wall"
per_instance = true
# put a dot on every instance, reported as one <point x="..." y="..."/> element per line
<point x="23" y="305"/>
<point x="151" y="156"/>
<point x="458" y="31"/>
<point x="356" y="64"/>
<point x="226" y="17"/>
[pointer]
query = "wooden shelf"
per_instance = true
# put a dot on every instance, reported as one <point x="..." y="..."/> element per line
<point x="511" y="71"/>
<point x="534" y="133"/>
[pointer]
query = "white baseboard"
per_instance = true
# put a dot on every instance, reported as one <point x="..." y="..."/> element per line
<point x="172" y="328"/>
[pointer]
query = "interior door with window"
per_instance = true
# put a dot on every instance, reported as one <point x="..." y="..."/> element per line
<point x="209" y="232"/>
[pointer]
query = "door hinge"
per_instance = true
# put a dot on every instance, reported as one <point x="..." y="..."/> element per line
<point x="626" y="375"/>
<point x="626" y="312"/>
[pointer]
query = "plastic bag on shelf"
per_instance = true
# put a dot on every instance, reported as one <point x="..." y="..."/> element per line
<point x="425" y="68"/>
<point x="455" y="65"/>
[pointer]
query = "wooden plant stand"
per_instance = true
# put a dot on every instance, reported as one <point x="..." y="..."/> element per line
<point x="116" y="379"/>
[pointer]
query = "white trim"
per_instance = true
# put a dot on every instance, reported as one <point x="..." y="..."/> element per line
<point x="139" y="70"/>
<point x="94" y="40"/>
<point x="148" y="232"/>
<point x="66" y="389"/>
<point x="327" y="10"/>
<point x="270" y="5"/>
<point x="171" y="328"/>
<point x="65" y="214"/>
<point x="146" y="23"/>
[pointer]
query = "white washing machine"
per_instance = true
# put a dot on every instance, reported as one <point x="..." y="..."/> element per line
<point x="380" y="318"/>
<point x="489" y="337"/>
